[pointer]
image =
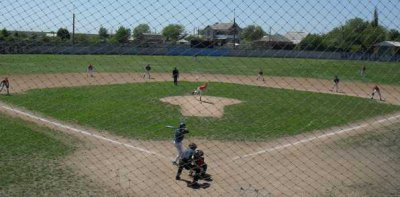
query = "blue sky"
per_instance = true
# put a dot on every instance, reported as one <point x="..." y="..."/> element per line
<point x="281" y="15"/>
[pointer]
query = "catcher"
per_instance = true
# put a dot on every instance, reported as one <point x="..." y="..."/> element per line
<point x="199" y="90"/>
<point x="5" y="83"/>
<point x="199" y="166"/>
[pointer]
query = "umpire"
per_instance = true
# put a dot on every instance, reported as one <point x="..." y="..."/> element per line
<point x="175" y="75"/>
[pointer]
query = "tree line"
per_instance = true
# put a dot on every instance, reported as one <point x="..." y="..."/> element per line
<point x="356" y="35"/>
<point x="171" y="33"/>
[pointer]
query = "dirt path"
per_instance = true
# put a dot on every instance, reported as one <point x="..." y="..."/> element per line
<point x="21" y="83"/>
<point x="303" y="165"/>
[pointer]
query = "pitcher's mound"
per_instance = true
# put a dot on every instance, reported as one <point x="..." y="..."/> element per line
<point x="210" y="106"/>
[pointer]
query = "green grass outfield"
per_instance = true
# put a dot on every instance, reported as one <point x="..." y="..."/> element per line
<point x="377" y="72"/>
<point x="134" y="110"/>
<point x="31" y="161"/>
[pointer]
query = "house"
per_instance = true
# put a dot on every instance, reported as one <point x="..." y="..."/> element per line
<point x="222" y="33"/>
<point x="295" y="37"/>
<point x="387" y="48"/>
<point x="276" y="41"/>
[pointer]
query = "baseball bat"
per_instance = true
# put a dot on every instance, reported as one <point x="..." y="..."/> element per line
<point x="171" y="127"/>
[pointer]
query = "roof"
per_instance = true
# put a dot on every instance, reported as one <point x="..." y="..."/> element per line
<point x="274" y="38"/>
<point x="222" y="26"/>
<point x="296" y="37"/>
<point x="182" y="41"/>
<point x="388" y="44"/>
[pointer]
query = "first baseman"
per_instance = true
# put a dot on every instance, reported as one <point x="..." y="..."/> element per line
<point x="5" y="83"/>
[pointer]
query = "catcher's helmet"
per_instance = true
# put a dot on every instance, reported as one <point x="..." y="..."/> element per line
<point x="198" y="153"/>
<point x="192" y="146"/>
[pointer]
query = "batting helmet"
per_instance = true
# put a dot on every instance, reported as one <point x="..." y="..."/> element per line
<point x="182" y="125"/>
<point x="192" y="146"/>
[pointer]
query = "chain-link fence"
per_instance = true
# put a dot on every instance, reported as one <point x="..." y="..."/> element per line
<point x="199" y="98"/>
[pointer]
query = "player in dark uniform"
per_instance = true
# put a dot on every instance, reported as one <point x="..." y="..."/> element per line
<point x="178" y="138"/>
<point x="363" y="71"/>
<point x="5" y="83"/>
<point x="376" y="90"/>
<point x="175" y="75"/>
<point x="186" y="162"/>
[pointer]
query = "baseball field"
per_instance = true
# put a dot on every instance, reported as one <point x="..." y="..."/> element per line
<point x="110" y="129"/>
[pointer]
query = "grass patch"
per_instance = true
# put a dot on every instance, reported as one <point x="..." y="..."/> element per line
<point x="377" y="72"/>
<point x="30" y="161"/>
<point x="134" y="110"/>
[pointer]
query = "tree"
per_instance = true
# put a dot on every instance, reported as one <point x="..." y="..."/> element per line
<point x="172" y="32"/>
<point x="393" y="35"/>
<point x="81" y="38"/>
<point x="372" y="35"/>
<point x="103" y="33"/>
<point x="194" y="37"/>
<point x="312" y="42"/>
<point x="375" y="22"/>
<point x="4" y="33"/>
<point x="140" y="29"/>
<point x="122" y="35"/>
<point x="252" y="32"/>
<point x="63" y="34"/>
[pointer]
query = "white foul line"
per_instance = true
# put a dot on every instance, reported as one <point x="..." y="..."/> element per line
<point x="315" y="138"/>
<point x="79" y="131"/>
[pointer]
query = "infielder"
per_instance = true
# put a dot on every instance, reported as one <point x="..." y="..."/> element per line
<point x="5" y="83"/>
<point x="90" y="70"/>
<point x="147" y="69"/>
<point x="179" y="135"/>
<point x="260" y="75"/>
<point x="376" y="90"/>
<point x="335" y="84"/>
<point x="199" y="90"/>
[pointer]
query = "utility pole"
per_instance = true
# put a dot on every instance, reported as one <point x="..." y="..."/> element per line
<point x="234" y="28"/>
<point x="73" y="28"/>
<point x="270" y="34"/>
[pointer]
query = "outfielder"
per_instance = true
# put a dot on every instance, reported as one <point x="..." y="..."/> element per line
<point x="179" y="135"/>
<point x="199" y="90"/>
<point x="5" y="83"/>
<point x="376" y="90"/>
